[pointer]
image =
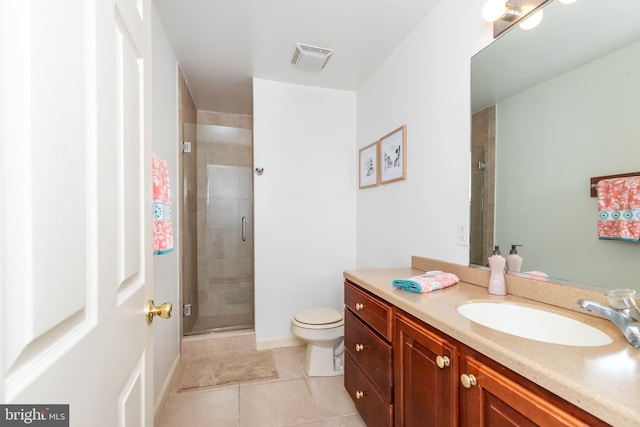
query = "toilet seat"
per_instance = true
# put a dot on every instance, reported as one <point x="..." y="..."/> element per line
<point x="318" y="318"/>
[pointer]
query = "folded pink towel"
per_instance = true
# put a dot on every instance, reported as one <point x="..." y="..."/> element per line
<point x="162" y="225"/>
<point x="619" y="209"/>
<point x="430" y="281"/>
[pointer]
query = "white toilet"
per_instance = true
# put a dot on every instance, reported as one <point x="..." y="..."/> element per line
<point x="323" y="329"/>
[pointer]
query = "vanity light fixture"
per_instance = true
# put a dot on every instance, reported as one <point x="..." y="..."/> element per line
<point x="568" y="1"/>
<point x="505" y="13"/>
<point x="530" y="22"/>
<point x="499" y="9"/>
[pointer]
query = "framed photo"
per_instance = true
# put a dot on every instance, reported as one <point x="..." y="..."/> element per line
<point x="393" y="156"/>
<point x="368" y="165"/>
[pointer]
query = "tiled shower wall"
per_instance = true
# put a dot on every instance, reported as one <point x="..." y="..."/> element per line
<point x="225" y="261"/>
<point x="187" y="204"/>
<point x="483" y="144"/>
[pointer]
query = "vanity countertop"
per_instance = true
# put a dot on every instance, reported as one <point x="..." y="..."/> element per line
<point x="604" y="380"/>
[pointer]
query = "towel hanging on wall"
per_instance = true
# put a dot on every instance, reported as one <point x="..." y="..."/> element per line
<point x="162" y="225"/>
<point x="619" y="209"/>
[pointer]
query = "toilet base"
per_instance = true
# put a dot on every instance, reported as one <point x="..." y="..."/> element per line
<point x="320" y="362"/>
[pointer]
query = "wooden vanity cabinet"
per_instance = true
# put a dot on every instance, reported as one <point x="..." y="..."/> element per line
<point x="368" y="372"/>
<point x="491" y="395"/>
<point x="408" y="373"/>
<point x="441" y="382"/>
<point x="426" y="375"/>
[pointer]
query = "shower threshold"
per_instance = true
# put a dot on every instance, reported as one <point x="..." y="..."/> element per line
<point x="219" y="329"/>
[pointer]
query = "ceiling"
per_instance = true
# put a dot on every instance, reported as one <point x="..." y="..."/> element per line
<point x="223" y="44"/>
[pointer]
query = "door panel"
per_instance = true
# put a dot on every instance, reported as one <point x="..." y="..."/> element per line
<point x="75" y="249"/>
<point x="131" y="398"/>
<point x="129" y="140"/>
<point x="51" y="154"/>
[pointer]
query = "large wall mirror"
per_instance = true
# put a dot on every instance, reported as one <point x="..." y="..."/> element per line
<point x="553" y="107"/>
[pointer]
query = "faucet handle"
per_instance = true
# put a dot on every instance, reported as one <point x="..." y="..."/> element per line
<point x="622" y="299"/>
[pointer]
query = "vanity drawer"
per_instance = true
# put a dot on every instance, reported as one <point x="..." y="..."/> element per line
<point x="371" y="352"/>
<point x="371" y="405"/>
<point x="374" y="312"/>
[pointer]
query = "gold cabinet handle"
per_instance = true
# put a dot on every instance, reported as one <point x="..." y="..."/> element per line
<point x="442" y="362"/>
<point x="359" y="394"/>
<point x="151" y="311"/>
<point x="359" y="347"/>
<point x="359" y="306"/>
<point x="468" y="380"/>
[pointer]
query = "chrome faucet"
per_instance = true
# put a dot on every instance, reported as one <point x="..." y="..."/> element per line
<point x="624" y="313"/>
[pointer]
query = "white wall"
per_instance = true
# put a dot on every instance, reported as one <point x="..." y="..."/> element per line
<point x="425" y="85"/>
<point x="166" y="334"/>
<point x="304" y="138"/>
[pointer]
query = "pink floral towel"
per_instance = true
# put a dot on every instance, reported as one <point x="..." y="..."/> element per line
<point x="430" y="281"/>
<point x="162" y="225"/>
<point x="619" y="209"/>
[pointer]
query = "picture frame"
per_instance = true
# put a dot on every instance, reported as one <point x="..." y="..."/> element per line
<point x="368" y="165"/>
<point x="393" y="156"/>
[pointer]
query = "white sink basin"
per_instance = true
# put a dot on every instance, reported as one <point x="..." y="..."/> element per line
<point x="534" y="324"/>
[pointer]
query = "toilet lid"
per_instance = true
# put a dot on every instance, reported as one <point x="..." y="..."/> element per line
<point x="318" y="316"/>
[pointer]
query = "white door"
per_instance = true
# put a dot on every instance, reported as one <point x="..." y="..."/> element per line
<point x="75" y="247"/>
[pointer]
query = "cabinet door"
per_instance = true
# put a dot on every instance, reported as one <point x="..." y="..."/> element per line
<point x="492" y="399"/>
<point x="426" y="394"/>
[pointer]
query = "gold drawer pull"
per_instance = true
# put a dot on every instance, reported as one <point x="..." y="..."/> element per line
<point x="359" y="394"/>
<point x="442" y="362"/>
<point x="359" y="347"/>
<point x="468" y="380"/>
<point x="359" y="306"/>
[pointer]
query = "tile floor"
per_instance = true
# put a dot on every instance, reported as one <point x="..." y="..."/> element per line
<point x="293" y="399"/>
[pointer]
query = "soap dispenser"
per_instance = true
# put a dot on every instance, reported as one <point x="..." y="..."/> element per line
<point x="497" y="285"/>
<point x="514" y="261"/>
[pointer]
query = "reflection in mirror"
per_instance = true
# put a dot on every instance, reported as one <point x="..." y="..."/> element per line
<point x="567" y="102"/>
<point x="482" y="185"/>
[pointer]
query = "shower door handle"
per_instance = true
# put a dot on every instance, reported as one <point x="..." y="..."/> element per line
<point x="244" y="228"/>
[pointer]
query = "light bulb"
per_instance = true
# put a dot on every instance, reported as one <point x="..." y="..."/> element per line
<point x="530" y="22"/>
<point x="568" y="1"/>
<point x="493" y="10"/>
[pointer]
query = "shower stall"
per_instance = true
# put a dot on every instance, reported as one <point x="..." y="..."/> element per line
<point x="482" y="201"/>
<point x="217" y="255"/>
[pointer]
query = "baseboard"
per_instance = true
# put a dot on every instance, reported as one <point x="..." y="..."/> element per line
<point x="282" y="342"/>
<point x="166" y="387"/>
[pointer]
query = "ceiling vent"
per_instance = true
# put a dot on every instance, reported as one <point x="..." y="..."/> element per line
<point x="310" y="58"/>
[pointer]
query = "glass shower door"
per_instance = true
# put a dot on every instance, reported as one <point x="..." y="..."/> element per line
<point x="217" y="230"/>
<point x="225" y="251"/>
<point x="477" y="253"/>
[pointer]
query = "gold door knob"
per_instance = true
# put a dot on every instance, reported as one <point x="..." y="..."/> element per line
<point x="359" y="306"/>
<point x="359" y="394"/>
<point x="442" y="361"/>
<point x="468" y="380"/>
<point x="359" y="347"/>
<point x="151" y="311"/>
